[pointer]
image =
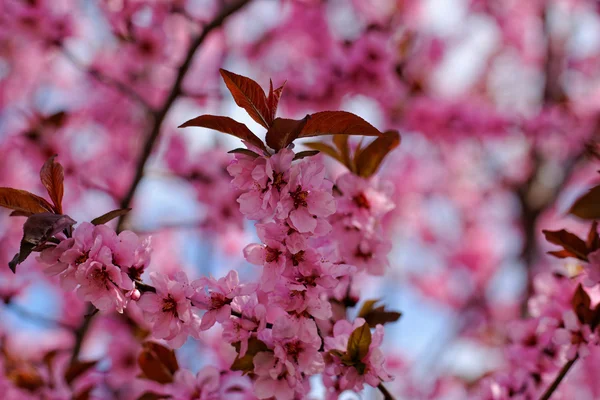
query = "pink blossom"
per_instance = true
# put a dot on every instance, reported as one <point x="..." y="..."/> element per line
<point x="307" y="199"/>
<point x="202" y="386"/>
<point x="349" y="377"/>
<point x="575" y="336"/>
<point x="215" y="296"/>
<point x="169" y="310"/>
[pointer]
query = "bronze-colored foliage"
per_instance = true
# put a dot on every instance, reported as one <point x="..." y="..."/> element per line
<point x="109" y="216"/>
<point x="52" y="176"/>
<point x="246" y="363"/>
<point x="157" y="362"/>
<point x="377" y="315"/>
<point x="588" y="205"/>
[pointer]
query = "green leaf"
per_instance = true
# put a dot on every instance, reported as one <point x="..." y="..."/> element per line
<point x="359" y="342"/>
<point x="588" y="205"/>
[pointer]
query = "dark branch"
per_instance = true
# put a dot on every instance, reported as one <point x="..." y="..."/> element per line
<point x="175" y="92"/>
<point x="563" y="372"/>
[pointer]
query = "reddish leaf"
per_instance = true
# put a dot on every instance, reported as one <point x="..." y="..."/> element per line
<point x="226" y="125"/>
<point x="377" y="315"/>
<point x="581" y="305"/>
<point x="109" y="216"/>
<point x="247" y="152"/>
<point x="369" y="159"/>
<point x="53" y="177"/>
<point x="158" y="363"/>
<point x="337" y="123"/>
<point x="153" y="396"/>
<point x="284" y="131"/>
<point x="359" y="342"/>
<point x="246" y="363"/>
<point x="593" y="240"/>
<point x="78" y="368"/>
<point x="36" y="231"/>
<point x="21" y="214"/>
<point x="56" y="120"/>
<point x="588" y="205"/>
<point x="304" y="154"/>
<point x="325" y="148"/>
<point x="26" y="377"/>
<point x="249" y="95"/>
<point x="562" y="254"/>
<point x="23" y="201"/>
<point x="273" y="100"/>
<point x="568" y="241"/>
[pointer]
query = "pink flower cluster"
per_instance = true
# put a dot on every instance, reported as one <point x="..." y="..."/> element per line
<point x="361" y="205"/>
<point x="100" y="264"/>
<point x="300" y="271"/>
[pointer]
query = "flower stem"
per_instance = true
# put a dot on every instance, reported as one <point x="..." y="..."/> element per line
<point x="563" y="372"/>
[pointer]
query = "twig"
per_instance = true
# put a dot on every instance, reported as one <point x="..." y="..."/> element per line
<point x="82" y="330"/>
<point x="563" y="372"/>
<point x="175" y="92"/>
<point x="159" y="117"/>
<point x="106" y="80"/>
<point x="386" y="394"/>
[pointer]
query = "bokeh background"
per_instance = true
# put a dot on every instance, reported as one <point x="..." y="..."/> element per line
<point x="497" y="103"/>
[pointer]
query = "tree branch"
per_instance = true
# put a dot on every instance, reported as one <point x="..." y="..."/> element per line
<point x="386" y="394"/>
<point x="563" y="372"/>
<point x="175" y="92"/>
<point x="106" y="80"/>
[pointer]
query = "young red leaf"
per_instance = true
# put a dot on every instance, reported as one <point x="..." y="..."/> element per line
<point x="78" y="368"/>
<point x="158" y="363"/>
<point x="52" y="176"/>
<point x="377" y="315"/>
<point x="304" y="154"/>
<point x="568" y="241"/>
<point x="273" y="99"/>
<point x="359" y="342"/>
<point x="153" y="396"/>
<point x="25" y="377"/>
<point x="109" y="216"/>
<point x="369" y="159"/>
<point x="248" y="95"/>
<point x="23" y="201"/>
<point x="284" y="131"/>
<point x="581" y="303"/>
<point x="226" y="125"/>
<point x="588" y="205"/>
<point x="247" y="152"/>
<point x="337" y="123"/>
<point x="593" y="240"/>
<point x="37" y="230"/>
